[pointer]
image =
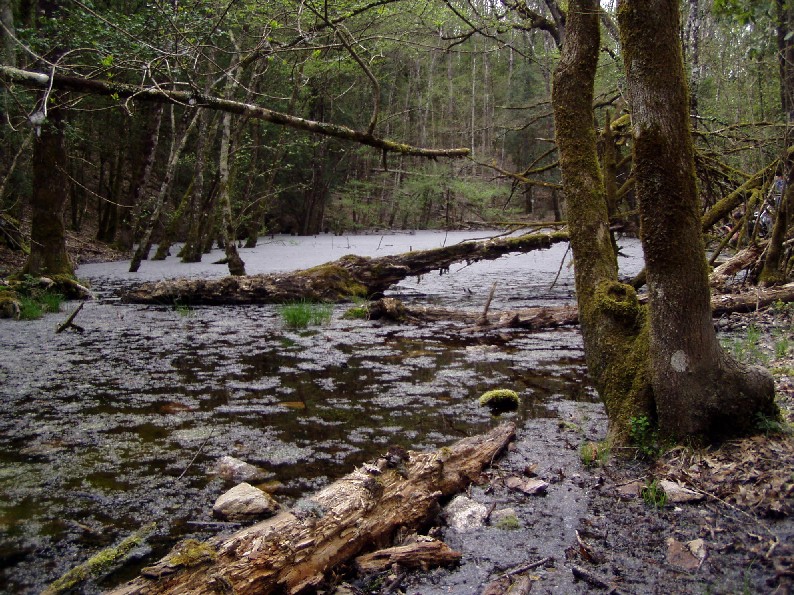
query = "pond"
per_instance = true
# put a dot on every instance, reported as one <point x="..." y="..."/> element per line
<point x="105" y="431"/>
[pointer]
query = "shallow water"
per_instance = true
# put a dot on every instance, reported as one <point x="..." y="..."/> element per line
<point x="105" y="431"/>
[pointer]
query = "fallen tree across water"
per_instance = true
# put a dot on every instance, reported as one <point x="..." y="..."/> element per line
<point x="293" y="551"/>
<point x="338" y="281"/>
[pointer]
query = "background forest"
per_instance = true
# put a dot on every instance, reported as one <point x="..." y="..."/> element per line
<point x="474" y="73"/>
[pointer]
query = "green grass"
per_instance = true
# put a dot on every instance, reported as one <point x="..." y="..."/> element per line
<point x="50" y="302"/>
<point x="653" y="494"/>
<point x="595" y="453"/>
<point x="298" y="315"/>
<point x="29" y="309"/>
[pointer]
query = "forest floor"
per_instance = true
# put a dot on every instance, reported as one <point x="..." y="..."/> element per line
<point x="601" y="526"/>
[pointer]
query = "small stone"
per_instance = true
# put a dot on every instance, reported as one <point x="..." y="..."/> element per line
<point x="687" y="556"/>
<point x="244" y="502"/>
<point x="531" y="487"/>
<point x="237" y="470"/>
<point x="677" y="494"/>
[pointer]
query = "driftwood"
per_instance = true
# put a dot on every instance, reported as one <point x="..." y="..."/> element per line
<point x="293" y="551"/>
<point x="338" y="281"/>
<point x="743" y="259"/>
<point x="69" y="322"/>
<point x="527" y="318"/>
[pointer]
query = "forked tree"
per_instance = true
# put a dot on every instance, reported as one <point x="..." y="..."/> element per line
<point x="664" y="362"/>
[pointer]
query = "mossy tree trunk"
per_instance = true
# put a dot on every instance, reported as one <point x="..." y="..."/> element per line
<point x="611" y="319"/>
<point x="699" y="390"/>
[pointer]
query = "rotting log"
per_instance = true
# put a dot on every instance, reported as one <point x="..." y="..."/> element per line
<point x="548" y="317"/>
<point x="350" y="276"/>
<point x="293" y="551"/>
<point x="527" y="318"/>
<point x="724" y="273"/>
<point x="755" y="299"/>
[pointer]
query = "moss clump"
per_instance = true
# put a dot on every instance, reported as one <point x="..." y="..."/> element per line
<point x="9" y="304"/>
<point x="502" y="399"/>
<point x="191" y="552"/>
<point x="335" y="279"/>
<point x="508" y="523"/>
<point x="356" y="313"/>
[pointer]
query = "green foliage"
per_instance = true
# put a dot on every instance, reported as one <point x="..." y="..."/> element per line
<point x="644" y="436"/>
<point x="595" y="453"/>
<point x="653" y="494"/>
<point x="298" y="315"/>
<point x="29" y="309"/>
<point x="772" y="426"/>
<point x="747" y="349"/>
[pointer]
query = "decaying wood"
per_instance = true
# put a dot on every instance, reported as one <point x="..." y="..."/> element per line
<point x="527" y="318"/>
<point x="755" y="299"/>
<point x="427" y="553"/>
<point x="743" y="259"/>
<point x="69" y="322"/>
<point x="337" y="281"/>
<point x="292" y="552"/>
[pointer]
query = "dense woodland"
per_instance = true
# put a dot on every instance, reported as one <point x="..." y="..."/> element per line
<point x="439" y="74"/>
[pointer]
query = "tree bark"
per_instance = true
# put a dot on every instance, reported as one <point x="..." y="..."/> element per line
<point x="293" y="551"/>
<point x="338" y="281"/>
<point x="700" y="392"/>
<point x="609" y="314"/>
<point x="48" y="254"/>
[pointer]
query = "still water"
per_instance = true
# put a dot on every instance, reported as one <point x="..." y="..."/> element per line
<point x="105" y="431"/>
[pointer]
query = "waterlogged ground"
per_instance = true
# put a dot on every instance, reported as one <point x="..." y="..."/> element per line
<point x="105" y="431"/>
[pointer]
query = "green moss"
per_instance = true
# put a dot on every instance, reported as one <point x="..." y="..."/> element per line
<point x="356" y="313"/>
<point x="100" y="564"/>
<point x="336" y="279"/>
<point x="501" y="398"/>
<point x="9" y="304"/>
<point x="191" y="552"/>
<point x="508" y="523"/>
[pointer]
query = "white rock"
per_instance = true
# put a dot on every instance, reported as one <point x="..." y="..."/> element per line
<point x="244" y="502"/>
<point x="464" y="514"/>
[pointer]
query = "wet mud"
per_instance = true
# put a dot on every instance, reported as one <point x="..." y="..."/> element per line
<point x="105" y="431"/>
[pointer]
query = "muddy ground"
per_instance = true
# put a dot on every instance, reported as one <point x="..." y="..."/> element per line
<point x="593" y="532"/>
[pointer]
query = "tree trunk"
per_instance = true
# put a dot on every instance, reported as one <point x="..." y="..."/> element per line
<point x="292" y="552"/>
<point x="610" y="316"/>
<point x="338" y="281"/>
<point x="48" y="254"/>
<point x="235" y="263"/>
<point x="699" y="390"/>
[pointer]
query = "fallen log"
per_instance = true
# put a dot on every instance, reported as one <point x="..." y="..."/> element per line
<point x="526" y="318"/>
<point x="293" y="551"/>
<point x="338" y="281"/>
<point x="722" y="275"/>
<point x="751" y="300"/>
<point x="548" y="317"/>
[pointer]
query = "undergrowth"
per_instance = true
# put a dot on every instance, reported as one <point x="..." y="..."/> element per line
<point x="298" y="315"/>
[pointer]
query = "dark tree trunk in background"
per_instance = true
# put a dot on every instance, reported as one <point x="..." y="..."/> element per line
<point x="48" y="202"/>
<point x="699" y="390"/>
<point x="51" y="184"/>
<point x="133" y="202"/>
